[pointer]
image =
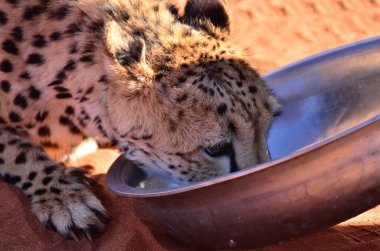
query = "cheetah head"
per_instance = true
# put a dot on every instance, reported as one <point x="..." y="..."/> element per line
<point x="182" y="99"/>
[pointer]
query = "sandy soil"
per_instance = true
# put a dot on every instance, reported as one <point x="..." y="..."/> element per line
<point x="274" y="33"/>
<point x="278" y="32"/>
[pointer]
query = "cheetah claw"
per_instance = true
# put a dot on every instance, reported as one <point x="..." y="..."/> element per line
<point x="73" y="236"/>
<point x="69" y="206"/>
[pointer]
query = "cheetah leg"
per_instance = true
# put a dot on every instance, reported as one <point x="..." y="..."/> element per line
<point x="59" y="196"/>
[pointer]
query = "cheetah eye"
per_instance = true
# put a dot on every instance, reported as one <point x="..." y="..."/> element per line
<point x="219" y="150"/>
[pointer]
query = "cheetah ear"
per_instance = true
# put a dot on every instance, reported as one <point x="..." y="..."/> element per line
<point x="132" y="57"/>
<point x="198" y="11"/>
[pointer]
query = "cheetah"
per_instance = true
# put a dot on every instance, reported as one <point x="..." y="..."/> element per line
<point x="169" y="90"/>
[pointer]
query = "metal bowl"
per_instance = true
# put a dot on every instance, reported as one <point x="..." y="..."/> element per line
<point x="325" y="168"/>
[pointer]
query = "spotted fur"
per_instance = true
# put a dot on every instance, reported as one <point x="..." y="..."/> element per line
<point x="170" y="91"/>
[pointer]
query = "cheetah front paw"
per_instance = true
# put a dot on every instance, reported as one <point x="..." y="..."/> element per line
<point x="65" y="204"/>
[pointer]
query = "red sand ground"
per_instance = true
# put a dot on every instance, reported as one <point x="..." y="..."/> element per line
<point x="274" y="33"/>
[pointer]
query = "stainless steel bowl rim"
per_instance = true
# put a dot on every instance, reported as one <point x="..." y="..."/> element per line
<point x="135" y="192"/>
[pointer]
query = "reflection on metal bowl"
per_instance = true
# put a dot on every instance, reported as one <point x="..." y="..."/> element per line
<point x="325" y="168"/>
